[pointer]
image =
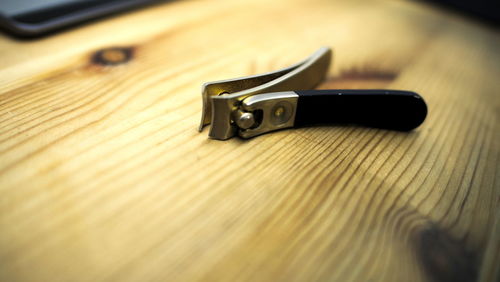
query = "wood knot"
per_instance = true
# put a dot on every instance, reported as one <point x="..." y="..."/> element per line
<point x="445" y="258"/>
<point x="112" y="56"/>
<point x="366" y="77"/>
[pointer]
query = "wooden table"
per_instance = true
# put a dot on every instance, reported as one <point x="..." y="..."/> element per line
<point x="104" y="176"/>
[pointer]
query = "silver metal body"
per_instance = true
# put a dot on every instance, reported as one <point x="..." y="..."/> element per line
<point x="253" y="105"/>
<point x="277" y="109"/>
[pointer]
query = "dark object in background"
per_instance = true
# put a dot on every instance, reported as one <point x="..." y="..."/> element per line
<point x="30" y="18"/>
<point x="485" y="10"/>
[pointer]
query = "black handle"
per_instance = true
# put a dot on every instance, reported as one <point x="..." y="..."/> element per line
<point x="389" y="109"/>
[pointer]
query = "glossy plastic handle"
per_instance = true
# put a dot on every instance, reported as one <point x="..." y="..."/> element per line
<point x="388" y="109"/>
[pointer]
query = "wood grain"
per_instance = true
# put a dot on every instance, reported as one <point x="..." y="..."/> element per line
<point x="104" y="177"/>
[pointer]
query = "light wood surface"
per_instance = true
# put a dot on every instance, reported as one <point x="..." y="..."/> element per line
<point x="104" y="177"/>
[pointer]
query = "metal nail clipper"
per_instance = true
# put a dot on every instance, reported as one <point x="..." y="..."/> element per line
<point x="253" y="105"/>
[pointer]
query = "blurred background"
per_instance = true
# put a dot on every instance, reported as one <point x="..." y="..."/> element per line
<point x="29" y="18"/>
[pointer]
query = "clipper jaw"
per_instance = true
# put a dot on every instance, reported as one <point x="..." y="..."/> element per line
<point x="222" y="99"/>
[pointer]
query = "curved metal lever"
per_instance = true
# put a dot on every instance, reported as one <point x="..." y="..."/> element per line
<point x="222" y="98"/>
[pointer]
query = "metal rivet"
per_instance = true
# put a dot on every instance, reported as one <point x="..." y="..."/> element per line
<point x="279" y="112"/>
<point x="244" y="120"/>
